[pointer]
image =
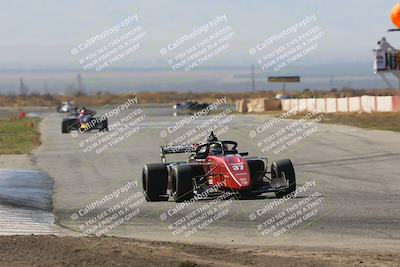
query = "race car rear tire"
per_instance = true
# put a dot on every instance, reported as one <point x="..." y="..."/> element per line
<point x="154" y="181"/>
<point x="104" y="126"/>
<point x="284" y="166"/>
<point x="182" y="183"/>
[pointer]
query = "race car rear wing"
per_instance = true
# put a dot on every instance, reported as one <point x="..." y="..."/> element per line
<point x="176" y="150"/>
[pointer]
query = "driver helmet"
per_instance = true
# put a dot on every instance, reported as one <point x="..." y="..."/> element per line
<point x="215" y="149"/>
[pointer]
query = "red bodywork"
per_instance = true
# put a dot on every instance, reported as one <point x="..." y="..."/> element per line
<point x="231" y="170"/>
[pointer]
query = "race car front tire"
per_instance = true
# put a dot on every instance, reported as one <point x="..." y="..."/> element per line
<point x="257" y="168"/>
<point x="154" y="181"/>
<point x="182" y="183"/>
<point x="67" y="125"/>
<point x="280" y="167"/>
<point x="64" y="127"/>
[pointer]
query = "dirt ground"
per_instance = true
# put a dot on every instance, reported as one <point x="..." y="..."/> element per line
<point x="112" y="251"/>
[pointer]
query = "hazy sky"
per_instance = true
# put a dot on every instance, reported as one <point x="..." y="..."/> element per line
<point x="43" y="32"/>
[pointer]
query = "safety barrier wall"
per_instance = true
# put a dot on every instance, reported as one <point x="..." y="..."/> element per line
<point x="257" y="105"/>
<point x="346" y="104"/>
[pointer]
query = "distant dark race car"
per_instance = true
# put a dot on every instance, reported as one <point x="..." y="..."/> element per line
<point x="189" y="107"/>
<point x="83" y="122"/>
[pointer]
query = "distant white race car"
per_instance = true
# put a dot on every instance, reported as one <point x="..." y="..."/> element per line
<point x="66" y="107"/>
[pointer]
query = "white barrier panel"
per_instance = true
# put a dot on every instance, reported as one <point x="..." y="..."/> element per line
<point x="354" y="104"/>
<point x="302" y="105"/>
<point x="367" y="103"/>
<point x="258" y="104"/>
<point x="237" y="105"/>
<point x="320" y="103"/>
<point x="342" y="105"/>
<point x="311" y="105"/>
<point x="384" y="103"/>
<point x="241" y="105"/>
<point x="331" y="105"/>
<point x="294" y="104"/>
<point x="285" y="103"/>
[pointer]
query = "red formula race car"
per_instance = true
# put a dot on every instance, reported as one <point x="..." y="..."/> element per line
<point x="215" y="165"/>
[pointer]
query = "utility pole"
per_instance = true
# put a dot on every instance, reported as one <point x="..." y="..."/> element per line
<point x="23" y="89"/>
<point x="21" y="86"/>
<point x="80" y="83"/>
<point x="253" y="82"/>
<point x="46" y="89"/>
<point x="284" y="89"/>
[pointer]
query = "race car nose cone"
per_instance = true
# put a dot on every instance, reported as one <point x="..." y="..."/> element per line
<point x="244" y="181"/>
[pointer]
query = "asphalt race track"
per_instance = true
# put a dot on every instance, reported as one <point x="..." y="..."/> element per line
<point x="356" y="194"/>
